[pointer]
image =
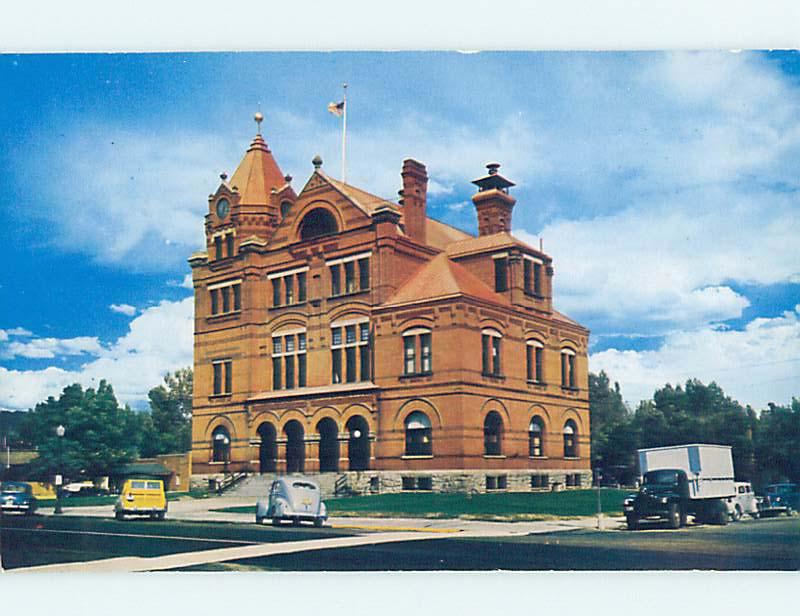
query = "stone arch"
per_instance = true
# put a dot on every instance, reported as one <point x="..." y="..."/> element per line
<point x="300" y="216"/>
<point x="289" y="321"/>
<point x="416" y="404"/>
<point x="495" y="404"/>
<point x="487" y="323"/>
<point x="217" y="420"/>
<point x="416" y="321"/>
<point x="267" y="446"/>
<point x="538" y="409"/>
<point x="329" y="412"/>
<point x="359" y="409"/>
<point x="348" y="311"/>
<point x="573" y="414"/>
<point x="265" y="415"/>
<point x="293" y="414"/>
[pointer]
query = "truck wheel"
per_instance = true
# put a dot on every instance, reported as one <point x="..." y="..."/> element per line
<point x="674" y="517"/>
<point x="318" y="522"/>
<point x="276" y="521"/>
<point x="683" y="517"/>
<point x="722" y="516"/>
<point x="737" y="513"/>
<point x="259" y="520"/>
<point x="633" y="522"/>
<point x="119" y="515"/>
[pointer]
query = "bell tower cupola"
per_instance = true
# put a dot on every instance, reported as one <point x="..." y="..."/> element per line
<point x="492" y="202"/>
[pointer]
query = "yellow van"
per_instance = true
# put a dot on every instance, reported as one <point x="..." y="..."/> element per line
<point x="141" y="497"/>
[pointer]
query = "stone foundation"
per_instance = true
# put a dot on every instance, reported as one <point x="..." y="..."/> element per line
<point x="352" y="483"/>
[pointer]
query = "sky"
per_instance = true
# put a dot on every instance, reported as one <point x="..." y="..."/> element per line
<point x="664" y="185"/>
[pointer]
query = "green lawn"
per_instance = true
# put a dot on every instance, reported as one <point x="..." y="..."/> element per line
<point x="94" y="501"/>
<point x="510" y="505"/>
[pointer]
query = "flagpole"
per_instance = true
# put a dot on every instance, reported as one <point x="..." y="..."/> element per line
<point x="344" y="136"/>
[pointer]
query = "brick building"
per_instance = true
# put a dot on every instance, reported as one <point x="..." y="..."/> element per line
<point x="340" y="333"/>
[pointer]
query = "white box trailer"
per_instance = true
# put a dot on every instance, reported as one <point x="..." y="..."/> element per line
<point x="709" y="468"/>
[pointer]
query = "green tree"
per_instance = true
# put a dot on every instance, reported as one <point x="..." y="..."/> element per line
<point x="777" y="443"/>
<point x="614" y="438"/>
<point x="170" y="426"/>
<point x="99" y="433"/>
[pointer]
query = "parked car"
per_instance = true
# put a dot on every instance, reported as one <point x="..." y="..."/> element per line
<point x="744" y="502"/>
<point x="781" y="498"/>
<point x="141" y="497"/>
<point x="18" y="497"/>
<point x="292" y="498"/>
<point x="85" y="491"/>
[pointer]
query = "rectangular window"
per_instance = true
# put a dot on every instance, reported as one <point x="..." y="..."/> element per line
<point x="288" y="283"/>
<point x="237" y="297"/>
<point x="409" y="483"/>
<point x="218" y="247"/>
<point x="228" y="377"/>
<point x="289" y="371"/>
<point x="425" y="483"/>
<point x="501" y="275"/>
<point x="226" y="299"/>
<point x="289" y="343"/>
<point x="527" y="275"/>
<point x="564" y="380"/>
<point x="425" y="352"/>
<point x="336" y="365"/>
<point x="538" y="364"/>
<point x="277" y="345"/>
<point x="229" y="244"/>
<point x="336" y="280"/>
<point x="301" y="287"/>
<point x="571" y="367"/>
<point x="276" y="373"/>
<point x="301" y="370"/>
<point x="301" y="342"/>
<point x="537" y="279"/>
<point x="486" y="353"/>
<point x="350" y="334"/>
<point x="217" y="378"/>
<point x="364" y="332"/>
<point x="529" y="362"/>
<point x="496" y="355"/>
<point x="409" y="353"/>
<point x="364" y="360"/>
<point x="215" y="301"/>
<point x="276" y="291"/>
<point x="336" y="336"/>
<point x="350" y="276"/>
<point x="363" y="274"/>
<point x="350" y="353"/>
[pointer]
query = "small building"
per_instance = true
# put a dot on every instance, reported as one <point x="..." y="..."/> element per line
<point x="341" y="333"/>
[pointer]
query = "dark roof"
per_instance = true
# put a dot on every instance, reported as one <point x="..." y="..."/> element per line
<point x="142" y="468"/>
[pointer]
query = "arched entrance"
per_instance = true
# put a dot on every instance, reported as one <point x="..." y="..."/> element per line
<point x="358" y="443"/>
<point x="268" y="448"/>
<point x="295" y="447"/>
<point x="328" y="445"/>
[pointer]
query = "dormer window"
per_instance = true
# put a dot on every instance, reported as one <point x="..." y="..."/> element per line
<point x="317" y="223"/>
<point x="532" y="269"/>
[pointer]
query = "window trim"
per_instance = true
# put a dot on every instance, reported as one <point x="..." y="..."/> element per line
<point x="225" y="378"/>
<point x="283" y="356"/>
<point x="357" y="345"/>
<point x="417" y="356"/>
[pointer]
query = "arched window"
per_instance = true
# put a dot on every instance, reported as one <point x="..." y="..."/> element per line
<point x="417" y="351"/>
<point x="493" y="434"/>
<point x="220" y="445"/>
<point x="490" y="352"/>
<point x="568" y="380"/>
<point x="536" y="437"/>
<point x="534" y="359"/>
<point x="418" y="435"/>
<point x="570" y="439"/>
<point x="316" y="223"/>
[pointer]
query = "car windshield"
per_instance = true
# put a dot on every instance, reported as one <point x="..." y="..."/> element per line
<point x="13" y="489"/>
<point x="668" y="478"/>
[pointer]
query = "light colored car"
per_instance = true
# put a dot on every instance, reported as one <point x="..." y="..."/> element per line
<point x="292" y="498"/>
<point x="744" y="502"/>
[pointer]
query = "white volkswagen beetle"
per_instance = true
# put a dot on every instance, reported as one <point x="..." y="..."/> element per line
<point x="292" y="498"/>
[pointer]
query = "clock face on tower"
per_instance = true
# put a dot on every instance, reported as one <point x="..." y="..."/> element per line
<point x="223" y="207"/>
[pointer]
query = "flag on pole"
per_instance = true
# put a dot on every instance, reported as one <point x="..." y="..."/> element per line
<point x="336" y="109"/>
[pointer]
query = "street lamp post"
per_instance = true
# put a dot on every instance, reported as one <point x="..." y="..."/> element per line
<point x="60" y="431"/>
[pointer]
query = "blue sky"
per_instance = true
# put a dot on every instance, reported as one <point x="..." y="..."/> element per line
<point x="664" y="185"/>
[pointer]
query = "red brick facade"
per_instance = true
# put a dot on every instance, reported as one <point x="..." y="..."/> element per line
<point x="449" y="353"/>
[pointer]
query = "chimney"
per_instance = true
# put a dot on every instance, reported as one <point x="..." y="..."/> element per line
<point x="492" y="202"/>
<point x="414" y="199"/>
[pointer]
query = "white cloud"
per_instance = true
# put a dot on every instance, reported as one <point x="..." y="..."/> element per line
<point x="50" y="348"/>
<point x="756" y="365"/>
<point x="159" y="340"/>
<point x="125" y="309"/>
<point x="188" y="282"/>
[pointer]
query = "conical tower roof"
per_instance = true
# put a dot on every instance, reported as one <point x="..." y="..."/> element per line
<point x="257" y="174"/>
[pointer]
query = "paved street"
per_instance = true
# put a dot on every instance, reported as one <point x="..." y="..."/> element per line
<point x="194" y="538"/>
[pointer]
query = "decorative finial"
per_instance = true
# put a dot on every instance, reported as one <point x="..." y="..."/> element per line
<point x="492" y="167"/>
<point x="317" y="161"/>
<point x="223" y="176"/>
<point x="259" y="118"/>
<point x="288" y="178"/>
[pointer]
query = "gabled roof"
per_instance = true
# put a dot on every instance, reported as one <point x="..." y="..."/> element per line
<point x="486" y="242"/>
<point x="365" y="201"/>
<point x="440" y="234"/>
<point x="257" y="174"/>
<point x="440" y="278"/>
